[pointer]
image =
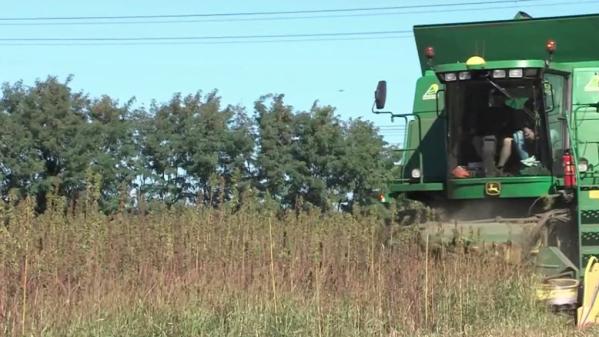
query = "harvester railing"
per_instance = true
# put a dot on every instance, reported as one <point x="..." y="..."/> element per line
<point x="416" y="149"/>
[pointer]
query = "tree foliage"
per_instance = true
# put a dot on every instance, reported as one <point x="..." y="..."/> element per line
<point x="191" y="149"/>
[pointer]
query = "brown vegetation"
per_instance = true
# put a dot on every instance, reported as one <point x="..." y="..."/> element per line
<point x="219" y="272"/>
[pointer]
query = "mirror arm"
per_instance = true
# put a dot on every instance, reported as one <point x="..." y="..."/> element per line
<point x="378" y="112"/>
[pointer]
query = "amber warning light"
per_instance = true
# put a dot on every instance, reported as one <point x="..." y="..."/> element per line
<point x="429" y="52"/>
<point x="551" y="46"/>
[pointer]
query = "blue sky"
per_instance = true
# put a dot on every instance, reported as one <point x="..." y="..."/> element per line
<point x="339" y="73"/>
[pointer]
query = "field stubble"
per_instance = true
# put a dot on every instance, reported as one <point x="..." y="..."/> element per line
<point x="219" y="272"/>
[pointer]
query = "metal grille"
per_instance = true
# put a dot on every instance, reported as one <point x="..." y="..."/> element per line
<point x="590" y="217"/>
<point x="590" y="238"/>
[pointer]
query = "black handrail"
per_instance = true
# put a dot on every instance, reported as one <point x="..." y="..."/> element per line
<point x="420" y="157"/>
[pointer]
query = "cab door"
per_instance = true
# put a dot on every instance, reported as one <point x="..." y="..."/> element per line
<point x="556" y="89"/>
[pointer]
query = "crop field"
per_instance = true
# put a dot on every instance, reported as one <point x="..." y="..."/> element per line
<point x="249" y="271"/>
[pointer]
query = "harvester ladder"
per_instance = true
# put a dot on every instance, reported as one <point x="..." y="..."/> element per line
<point x="588" y="225"/>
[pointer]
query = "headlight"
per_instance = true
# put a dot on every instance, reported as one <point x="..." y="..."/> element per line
<point x="499" y="73"/>
<point x="515" y="73"/>
<point x="530" y="72"/>
<point x="464" y="75"/>
<point x="416" y="173"/>
<point x="450" y="77"/>
<point x="583" y="165"/>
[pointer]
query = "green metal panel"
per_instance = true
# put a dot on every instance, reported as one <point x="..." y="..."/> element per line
<point x="426" y="93"/>
<point x="588" y="200"/>
<point x="576" y="38"/>
<point x="586" y="87"/>
<point x="586" y="120"/>
<point x="432" y="147"/>
<point x="511" y="187"/>
<point x="426" y="138"/>
<point x="399" y="187"/>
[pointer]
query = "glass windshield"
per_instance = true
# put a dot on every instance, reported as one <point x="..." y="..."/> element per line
<point x="496" y="128"/>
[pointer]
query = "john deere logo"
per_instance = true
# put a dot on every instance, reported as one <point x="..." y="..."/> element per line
<point x="493" y="189"/>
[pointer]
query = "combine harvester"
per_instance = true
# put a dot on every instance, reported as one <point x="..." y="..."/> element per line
<point x="504" y="140"/>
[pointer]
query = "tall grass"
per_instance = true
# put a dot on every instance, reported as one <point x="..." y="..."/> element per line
<point x="248" y="272"/>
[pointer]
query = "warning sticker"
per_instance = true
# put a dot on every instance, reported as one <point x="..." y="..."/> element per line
<point x="431" y="92"/>
<point x="593" y="85"/>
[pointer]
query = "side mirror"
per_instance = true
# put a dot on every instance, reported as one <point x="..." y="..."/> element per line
<point x="380" y="95"/>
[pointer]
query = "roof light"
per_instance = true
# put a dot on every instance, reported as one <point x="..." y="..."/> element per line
<point x="499" y="73"/>
<point x="415" y="173"/>
<point x="530" y="72"/>
<point x="475" y="61"/>
<point x="515" y="73"/>
<point x="429" y="52"/>
<point x="464" y="75"/>
<point x="450" y="77"/>
<point x="551" y="46"/>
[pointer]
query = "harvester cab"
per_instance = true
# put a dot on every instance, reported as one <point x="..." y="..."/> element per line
<point x="503" y="135"/>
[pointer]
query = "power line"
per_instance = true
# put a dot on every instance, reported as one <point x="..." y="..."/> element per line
<point x="282" y="18"/>
<point x="258" y="13"/>
<point x="242" y="39"/>
<point x="198" y="38"/>
<point x="69" y="44"/>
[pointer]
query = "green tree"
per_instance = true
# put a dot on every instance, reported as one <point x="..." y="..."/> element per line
<point x="275" y="161"/>
<point x="116" y="159"/>
<point x="317" y="152"/>
<point x="191" y="144"/>
<point x="45" y="139"/>
<point x="366" y="165"/>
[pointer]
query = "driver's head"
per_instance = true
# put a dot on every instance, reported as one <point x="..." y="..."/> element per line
<point x="528" y="133"/>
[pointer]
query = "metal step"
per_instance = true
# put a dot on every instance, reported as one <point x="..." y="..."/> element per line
<point x="590" y="250"/>
<point x="589" y="227"/>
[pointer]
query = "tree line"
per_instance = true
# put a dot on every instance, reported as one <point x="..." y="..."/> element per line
<point x="190" y="150"/>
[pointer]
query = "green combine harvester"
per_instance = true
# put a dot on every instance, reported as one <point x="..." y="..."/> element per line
<point x="504" y="140"/>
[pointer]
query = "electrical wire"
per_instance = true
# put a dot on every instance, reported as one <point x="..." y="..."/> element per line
<point x="170" y="43"/>
<point x="238" y="39"/>
<point x="282" y="18"/>
<point x="193" y="38"/>
<point x="259" y="13"/>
